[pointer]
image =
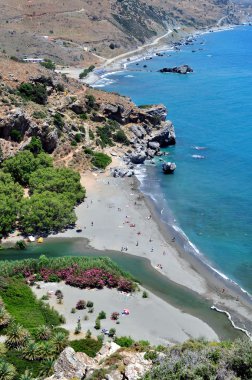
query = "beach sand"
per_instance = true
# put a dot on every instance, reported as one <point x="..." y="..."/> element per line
<point x="150" y="318"/>
<point x="117" y="216"/>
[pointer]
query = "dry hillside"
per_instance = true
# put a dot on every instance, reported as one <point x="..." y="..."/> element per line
<point x="66" y="31"/>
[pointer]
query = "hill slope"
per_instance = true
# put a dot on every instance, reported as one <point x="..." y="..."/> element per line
<point x="66" y="31"/>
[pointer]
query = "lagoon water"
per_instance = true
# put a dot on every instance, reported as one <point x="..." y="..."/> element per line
<point x="211" y="198"/>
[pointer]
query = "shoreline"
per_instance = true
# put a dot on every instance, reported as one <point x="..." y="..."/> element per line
<point x="177" y="265"/>
<point x="120" y="64"/>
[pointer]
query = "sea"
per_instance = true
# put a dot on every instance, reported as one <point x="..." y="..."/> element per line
<point x="209" y="198"/>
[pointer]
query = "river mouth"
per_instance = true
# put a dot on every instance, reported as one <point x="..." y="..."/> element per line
<point x="178" y="296"/>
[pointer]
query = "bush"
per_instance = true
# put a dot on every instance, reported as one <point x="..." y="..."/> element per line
<point x="35" y="145"/>
<point x="85" y="72"/>
<point x="48" y="64"/>
<point x="124" y="341"/>
<point x="145" y="294"/>
<point x="112" y="332"/>
<point x="89" y="346"/>
<point x="102" y="315"/>
<point x="39" y="115"/>
<point x="120" y="137"/>
<point x="90" y="304"/>
<point x="16" y="135"/>
<point x="60" y="87"/>
<point x="21" y="244"/>
<point x="114" y="316"/>
<point x="101" y="160"/>
<point x="81" y="304"/>
<point x="58" y="120"/>
<point x="35" y="92"/>
<point x="97" y="325"/>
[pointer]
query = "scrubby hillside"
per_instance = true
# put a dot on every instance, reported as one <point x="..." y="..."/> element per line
<point x="71" y="32"/>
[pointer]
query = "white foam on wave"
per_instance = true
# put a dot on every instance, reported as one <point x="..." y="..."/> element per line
<point x="129" y="76"/>
<point x="232" y="322"/>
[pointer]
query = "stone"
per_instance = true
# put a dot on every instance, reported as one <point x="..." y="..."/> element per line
<point x="165" y="136"/>
<point x="154" y="145"/>
<point x="159" y="111"/>
<point x="184" y="69"/>
<point x="138" y="157"/>
<point x="71" y="365"/>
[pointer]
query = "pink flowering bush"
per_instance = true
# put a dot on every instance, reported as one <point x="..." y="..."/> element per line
<point x="75" y="276"/>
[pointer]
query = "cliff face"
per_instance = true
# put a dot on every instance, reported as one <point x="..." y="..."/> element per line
<point x="70" y="32"/>
<point x="69" y="117"/>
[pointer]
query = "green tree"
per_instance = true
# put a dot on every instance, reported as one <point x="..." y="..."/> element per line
<point x="43" y="332"/>
<point x="24" y="163"/>
<point x="46" y="368"/>
<point x="46" y="212"/>
<point x="46" y="350"/>
<point x="27" y="375"/>
<point x="31" y="351"/>
<point x="35" y="92"/>
<point x="35" y="145"/>
<point x="7" y="370"/>
<point x="60" y="181"/>
<point x="17" y="336"/>
<point x="60" y="341"/>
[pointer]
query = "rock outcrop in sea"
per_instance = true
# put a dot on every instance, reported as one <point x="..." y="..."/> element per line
<point x="184" y="69"/>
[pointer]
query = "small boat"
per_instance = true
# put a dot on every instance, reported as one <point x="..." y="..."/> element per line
<point x="40" y="240"/>
<point x="168" y="167"/>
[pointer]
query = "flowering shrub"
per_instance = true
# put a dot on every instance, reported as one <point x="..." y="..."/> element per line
<point x="81" y="304"/>
<point x="75" y="276"/>
<point x="114" y="316"/>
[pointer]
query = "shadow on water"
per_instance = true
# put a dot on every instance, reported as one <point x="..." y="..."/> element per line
<point x="187" y="301"/>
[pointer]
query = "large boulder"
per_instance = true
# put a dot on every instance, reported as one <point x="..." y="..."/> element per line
<point x="115" y="112"/>
<point x="16" y="120"/>
<point x="73" y="365"/>
<point x="138" y="131"/>
<point x="78" y="107"/>
<point x="165" y="136"/>
<point x="158" y="111"/>
<point x="184" y="69"/>
<point x="138" y="157"/>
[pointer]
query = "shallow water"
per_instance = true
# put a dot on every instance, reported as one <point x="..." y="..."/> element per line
<point x="141" y="268"/>
<point x="210" y="198"/>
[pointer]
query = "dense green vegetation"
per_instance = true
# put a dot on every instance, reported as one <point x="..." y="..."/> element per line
<point x="23" y="164"/>
<point x="23" y="306"/>
<point x="46" y="212"/>
<point x="89" y="346"/>
<point x="11" y="268"/>
<point x="62" y="181"/>
<point x="204" y="360"/>
<point x="98" y="159"/>
<point x="48" y="64"/>
<point x="10" y="193"/>
<point x="54" y="193"/>
<point x="35" y="92"/>
<point x="85" y="72"/>
<point x="101" y="160"/>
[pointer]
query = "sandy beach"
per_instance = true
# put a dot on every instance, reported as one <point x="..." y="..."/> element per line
<point x="150" y="318"/>
<point x="117" y="216"/>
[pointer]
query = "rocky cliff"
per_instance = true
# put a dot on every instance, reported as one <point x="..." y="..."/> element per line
<point x="69" y="117"/>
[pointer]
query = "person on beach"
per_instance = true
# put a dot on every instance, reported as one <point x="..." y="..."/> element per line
<point x="92" y="223"/>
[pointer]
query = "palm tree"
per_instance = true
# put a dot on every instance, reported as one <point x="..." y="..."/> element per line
<point x="4" y="316"/>
<point x="17" y="336"/>
<point x="47" y="351"/>
<point x="31" y="351"/>
<point x="60" y="341"/>
<point x="7" y="370"/>
<point x="27" y="375"/>
<point x="47" y="368"/>
<point x="43" y="332"/>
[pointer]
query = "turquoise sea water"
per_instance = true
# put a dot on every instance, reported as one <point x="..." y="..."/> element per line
<point x="211" y="198"/>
